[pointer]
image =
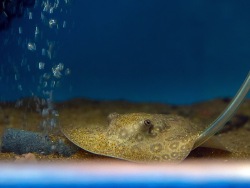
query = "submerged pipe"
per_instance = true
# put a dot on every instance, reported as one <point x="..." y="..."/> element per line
<point x="226" y="115"/>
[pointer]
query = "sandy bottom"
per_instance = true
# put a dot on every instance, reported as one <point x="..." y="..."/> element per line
<point x="236" y="134"/>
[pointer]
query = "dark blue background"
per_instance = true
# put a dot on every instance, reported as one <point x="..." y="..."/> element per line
<point x="147" y="50"/>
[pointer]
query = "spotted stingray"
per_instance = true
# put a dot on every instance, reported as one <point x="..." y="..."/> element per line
<point x="142" y="137"/>
<point x="138" y="137"/>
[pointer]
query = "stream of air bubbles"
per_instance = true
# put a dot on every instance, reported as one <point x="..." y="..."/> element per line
<point x="37" y="37"/>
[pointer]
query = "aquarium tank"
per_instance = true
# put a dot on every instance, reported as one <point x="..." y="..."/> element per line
<point x="69" y="68"/>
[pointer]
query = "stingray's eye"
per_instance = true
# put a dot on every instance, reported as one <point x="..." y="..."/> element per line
<point x="148" y="124"/>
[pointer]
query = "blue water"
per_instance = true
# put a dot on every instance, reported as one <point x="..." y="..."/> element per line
<point x="176" y="52"/>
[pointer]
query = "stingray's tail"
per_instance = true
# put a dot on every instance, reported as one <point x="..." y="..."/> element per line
<point x="226" y="115"/>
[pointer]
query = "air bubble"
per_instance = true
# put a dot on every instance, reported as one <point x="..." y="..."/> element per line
<point x="43" y="102"/>
<point x="46" y="6"/>
<point x="53" y="122"/>
<point x="46" y="76"/>
<point x="56" y="73"/>
<point x="43" y="52"/>
<point x="58" y="84"/>
<point x="31" y="46"/>
<point x="50" y="49"/>
<point x="41" y="65"/>
<point x="20" y="87"/>
<point x="48" y="93"/>
<point x="67" y="71"/>
<point x="55" y="113"/>
<point x="20" y="30"/>
<point x="64" y="24"/>
<point x="16" y="77"/>
<point x="30" y="16"/>
<point x="42" y="16"/>
<point x="56" y="70"/>
<point x="36" y="31"/>
<point x="52" y="84"/>
<point x="45" y="112"/>
<point x="19" y="103"/>
<point x="53" y="147"/>
<point x="60" y="66"/>
<point x="52" y="23"/>
<point x="45" y="84"/>
<point x="24" y="62"/>
<point x="51" y="10"/>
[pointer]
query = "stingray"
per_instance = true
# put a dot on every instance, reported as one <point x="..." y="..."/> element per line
<point x="142" y="137"/>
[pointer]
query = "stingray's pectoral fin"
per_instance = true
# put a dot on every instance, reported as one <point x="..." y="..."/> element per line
<point x="213" y="142"/>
